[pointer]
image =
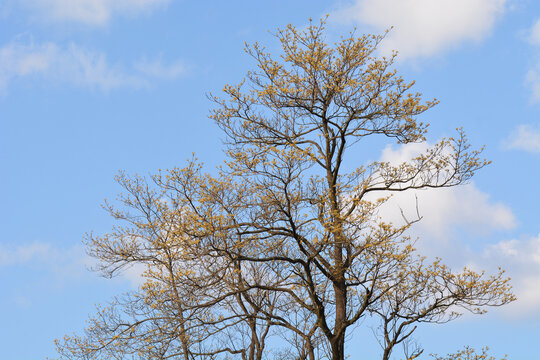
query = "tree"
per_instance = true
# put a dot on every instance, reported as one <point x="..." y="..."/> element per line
<point x="468" y="354"/>
<point x="286" y="240"/>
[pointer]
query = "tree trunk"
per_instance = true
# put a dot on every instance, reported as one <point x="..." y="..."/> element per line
<point x="338" y="340"/>
<point x="311" y="353"/>
<point x="338" y="346"/>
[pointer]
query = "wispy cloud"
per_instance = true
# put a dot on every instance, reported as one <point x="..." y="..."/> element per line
<point x="524" y="137"/>
<point x="159" y="70"/>
<point x="77" y="66"/>
<point x="425" y="27"/>
<point x="532" y="78"/>
<point x="65" y="264"/>
<point x="534" y="33"/>
<point x="89" y="12"/>
<point x="35" y="252"/>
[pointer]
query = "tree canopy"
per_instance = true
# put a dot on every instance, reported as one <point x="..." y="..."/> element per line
<point x="286" y="241"/>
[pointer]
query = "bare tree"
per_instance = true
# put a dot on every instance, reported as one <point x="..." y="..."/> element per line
<point x="286" y="240"/>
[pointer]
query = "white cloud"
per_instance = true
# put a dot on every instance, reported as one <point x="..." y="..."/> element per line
<point x="525" y="137"/>
<point x="425" y="27"/>
<point x="521" y="260"/>
<point x="444" y="211"/>
<point x="465" y="206"/>
<point x="453" y="213"/>
<point x="134" y="274"/>
<point x="89" y="12"/>
<point x="76" y="66"/>
<point x="396" y="156"/>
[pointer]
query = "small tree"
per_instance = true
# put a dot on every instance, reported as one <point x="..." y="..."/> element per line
<point x="286" y="240"/>
<point x="468" y="353"/>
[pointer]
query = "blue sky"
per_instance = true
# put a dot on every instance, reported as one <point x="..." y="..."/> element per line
<point x="91" y="87"/>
